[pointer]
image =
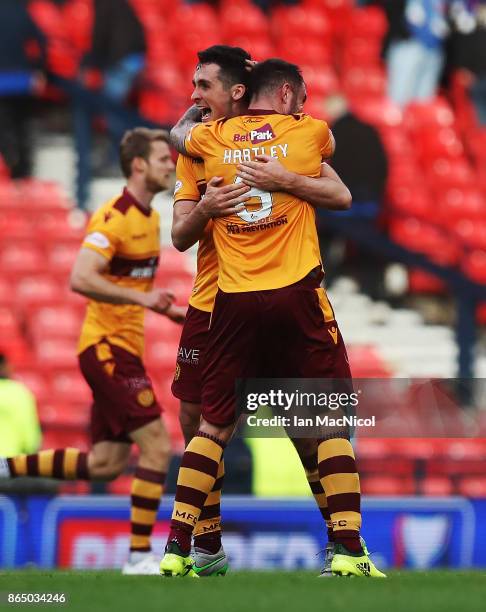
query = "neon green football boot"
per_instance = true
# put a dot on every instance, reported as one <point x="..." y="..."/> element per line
<point x="346" y="563"/>
<point x="175" y="563"/>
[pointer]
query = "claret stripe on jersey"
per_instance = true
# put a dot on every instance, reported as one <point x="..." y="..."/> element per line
<point x="134" y="267"/>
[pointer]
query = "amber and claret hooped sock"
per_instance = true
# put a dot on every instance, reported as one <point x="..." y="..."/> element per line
<point x="197" y="476"/>
<point x="340" y="480"/>
<point x="63" y="464"/>
<point x="207" y="533"/>
<point x="147" y="489"/>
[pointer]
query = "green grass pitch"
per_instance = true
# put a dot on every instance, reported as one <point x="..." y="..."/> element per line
<point x="439" y="591"/>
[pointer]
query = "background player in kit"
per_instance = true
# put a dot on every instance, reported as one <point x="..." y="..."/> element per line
<point x="218" y="78"/>
<point x="269" y="295"/>
<point x="115" y="270"/>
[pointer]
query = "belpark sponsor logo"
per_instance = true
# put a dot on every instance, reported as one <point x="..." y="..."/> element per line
<point x="261" y="134"/>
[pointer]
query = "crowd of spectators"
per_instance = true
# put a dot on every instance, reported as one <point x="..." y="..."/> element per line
<point x="107" y="46"/>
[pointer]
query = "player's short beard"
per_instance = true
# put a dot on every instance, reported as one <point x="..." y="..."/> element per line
<point x="152" y="186"/>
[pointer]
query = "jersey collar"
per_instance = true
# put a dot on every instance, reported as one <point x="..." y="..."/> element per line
<point x="260" y="111"/>
<point x="130" y="199"/>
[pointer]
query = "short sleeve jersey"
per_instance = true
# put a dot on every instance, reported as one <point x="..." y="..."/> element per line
<point x="272" y="242"/>
<point x="191" y="185"/>
<point x="128" y="236"/>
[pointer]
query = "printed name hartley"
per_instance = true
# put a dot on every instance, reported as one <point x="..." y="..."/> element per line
<point x="253" y="420"/>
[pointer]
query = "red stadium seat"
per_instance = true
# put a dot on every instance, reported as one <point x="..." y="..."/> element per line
<point x="9" y="323"/>
<point x="436" y="486"/>
<point x="382" y="113"/>
<point x="310" y="52"/>
<point x="320" y="81"/>
<point x="20" y="259"/>
<point x="36" y="382"/>
<point x="421" y="282"/>
<point x="375" y="448"/>
<point x="161" y="354"/>
<point x="365" y="362"/>
<point x="59" y="353"/>
<point x="420" y="115"/>
<point x="243" y="19"/>
<point x="474" y="266"/>
<point x="369" y="81"/>
<point x="67" y="415"/>
<point x="310" y="22"/>
<point x="7" y="298"/>
<point x="368" y="23"/>
<point x="61" y="224"/>
<point x="70" y="387"/>
<point x="396" y="466"/>
<point x="425" y="238"/>
<point x="387" y="485"/>
<point x="61" y="257"/>
<point x="361" y="52"/>
<point x="444" y="173"/>
<point x="158" y="327"/>
<point x="64" y="437"/>
<point x="461" y="203"/>
<point x="15" y="225"/>
<point x="466" y="448"/>
<point x="432" y="144"/>
<point x="473" y="487"/>
<point x="202" y="17"/>
<point x="259" y="47"/>
<point x="411" y="201"/>
<point x="121" y="485"/>
<point x="9" y="196"/>
<point x="37" y="290"/>
<point x="55" y="322"/>
<point x="471" y="233"/>
<point x="42" y="195"/>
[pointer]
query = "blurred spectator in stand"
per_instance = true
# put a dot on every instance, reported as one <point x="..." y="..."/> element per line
<point x="365" y="175"/>
<point x="114" y="61"/>
<point x="467" y="48"/>
<point x="19" y="424"/>
<point x="22" y="47"/>
<point x="414" y="47"/>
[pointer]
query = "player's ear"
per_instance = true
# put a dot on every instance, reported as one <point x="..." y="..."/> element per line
<point x="237" y="92"/>
<point x="286" y="92"/>
<point x="138" y="164"/>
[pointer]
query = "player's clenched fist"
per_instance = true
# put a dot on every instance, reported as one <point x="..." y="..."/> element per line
<point x="221" y="201"/>
<point x="157" y="300"/>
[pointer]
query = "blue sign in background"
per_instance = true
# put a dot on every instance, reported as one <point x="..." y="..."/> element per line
<point x="271" y="533"/>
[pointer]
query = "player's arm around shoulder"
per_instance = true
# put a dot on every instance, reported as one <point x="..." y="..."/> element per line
<point x="191" y="218"/>
<point x="268" y="174"/>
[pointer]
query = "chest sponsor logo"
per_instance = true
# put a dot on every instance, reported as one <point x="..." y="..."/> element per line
<point x="234" y="228"/>
<point x="145" y="271"/>
<point x="261" y="134"/>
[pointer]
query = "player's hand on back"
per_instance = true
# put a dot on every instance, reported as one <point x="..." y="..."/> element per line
<point x="223" y="200"/>
<point x="158" y="300"/>
<point x="267" y="174"/>
<point x="177" y="314"/>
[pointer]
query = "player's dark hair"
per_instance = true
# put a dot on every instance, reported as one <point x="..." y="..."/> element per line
<point x="271" y="74"/>
<point x="231" y="62"/>
<point x="137" y="143"/>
